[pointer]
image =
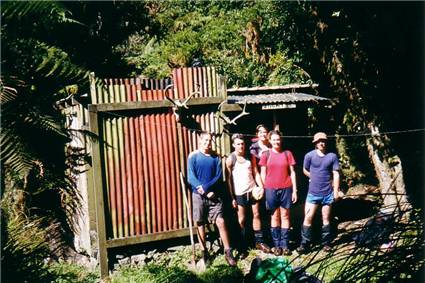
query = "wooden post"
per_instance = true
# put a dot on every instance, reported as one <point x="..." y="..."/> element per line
<point x="98" y="193"/>
<point x="90" y="187"/>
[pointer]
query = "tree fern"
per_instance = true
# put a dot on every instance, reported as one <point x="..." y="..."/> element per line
<point x="54" y="11"/>
<point x="35" y="75"/>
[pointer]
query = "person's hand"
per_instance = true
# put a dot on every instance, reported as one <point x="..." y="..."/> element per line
<point x="338" y="195"/>
<point x="210" y="195"/>
<point x="200" y="190"/>
<point x="294" y="196"/>
<point x="234" y="203"/>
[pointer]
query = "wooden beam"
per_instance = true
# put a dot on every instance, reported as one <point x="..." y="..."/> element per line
<point x="231" y="107"/>
<point x="114" y="243"/>
<point x="137" y="105"/>
<point x="98" y="194"/>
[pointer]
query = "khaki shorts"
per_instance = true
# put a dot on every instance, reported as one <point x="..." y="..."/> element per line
<point x="206" y="210"/>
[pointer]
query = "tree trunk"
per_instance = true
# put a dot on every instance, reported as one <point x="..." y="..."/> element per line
<point x="389" y="172"/>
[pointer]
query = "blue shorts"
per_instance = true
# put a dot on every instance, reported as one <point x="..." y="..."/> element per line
<point x="323" y="200"/>
<point x="278" y="198"/>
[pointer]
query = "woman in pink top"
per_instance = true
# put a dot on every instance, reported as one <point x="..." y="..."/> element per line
<point x="279" y="179"/>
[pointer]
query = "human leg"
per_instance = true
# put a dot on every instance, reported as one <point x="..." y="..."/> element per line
<point x="225" y="239"/>
<point x="275" y="232"/>
<point x="257" y="227"/>
<point x="243" y="245"/>
<point x="272" y="205"/>
<point x="242" y="220"/>
<point x="284" y="231"/>
<point x="198" y="212"/>
<point x="326" y="228"/>
<point x="201" y="236"/>
<point x="309" y="211"/>
<point x="256" y="217"/>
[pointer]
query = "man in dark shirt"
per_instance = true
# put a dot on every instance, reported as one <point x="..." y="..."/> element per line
<point x="322" y="169"/>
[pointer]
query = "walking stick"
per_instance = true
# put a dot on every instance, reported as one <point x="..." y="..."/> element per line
<point x="189" y="215"/>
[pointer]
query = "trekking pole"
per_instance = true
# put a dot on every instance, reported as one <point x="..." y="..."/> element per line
<point x="189" y="216"/>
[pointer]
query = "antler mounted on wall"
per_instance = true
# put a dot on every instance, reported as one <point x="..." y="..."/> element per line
<point x="178" y="105"/>
<point x="229" y="121"/>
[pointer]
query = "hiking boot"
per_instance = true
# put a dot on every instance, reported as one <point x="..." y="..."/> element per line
<point x="229" y="257"/>
<point x="263" y="247"/>
<point x="303" y="249"/>
<point x="286" y="251"/>
<point x="277" y="251"/>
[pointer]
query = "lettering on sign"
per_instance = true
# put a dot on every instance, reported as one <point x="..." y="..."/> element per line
<point x="278" y="106"/>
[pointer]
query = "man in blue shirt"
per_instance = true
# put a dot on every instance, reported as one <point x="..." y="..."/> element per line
<point x="205" y="177"/>
<point x="322" y="169"/>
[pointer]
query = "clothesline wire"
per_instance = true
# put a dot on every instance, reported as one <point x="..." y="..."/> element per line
<point x="290" y="136"/>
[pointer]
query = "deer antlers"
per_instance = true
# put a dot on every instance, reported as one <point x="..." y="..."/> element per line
<point x="227" y="120"/>
<point x="177" y="103"/>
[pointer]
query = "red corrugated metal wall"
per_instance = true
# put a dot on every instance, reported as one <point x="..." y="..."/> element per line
<point x="141" y="153"/>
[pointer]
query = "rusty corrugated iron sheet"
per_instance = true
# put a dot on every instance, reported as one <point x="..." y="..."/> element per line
<point x="141" y="150"/>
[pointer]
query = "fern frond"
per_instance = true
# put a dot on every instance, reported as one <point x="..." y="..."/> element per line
<point x="14" y="154"/>
<point x="7" y="92"/>
<point x="45" y="123"/>
<point x="55" y="62"/>
<point x="55" y="11"/>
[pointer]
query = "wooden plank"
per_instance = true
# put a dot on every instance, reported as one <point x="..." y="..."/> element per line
<point x="149" y="238"/>
<point x="91" y="195"/>
<point x="99" y="197"/>
<point x="92" y="80"/>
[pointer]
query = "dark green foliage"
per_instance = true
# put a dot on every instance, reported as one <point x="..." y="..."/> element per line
<point x="44" y="63"/>
<point x="22" y="242"/>
<point x="222" y="273"/>
<point x="235" y="37"/>
<point x="171" y="274"/>
<point x="402" y="262"/>
<point x="63" y="272"/>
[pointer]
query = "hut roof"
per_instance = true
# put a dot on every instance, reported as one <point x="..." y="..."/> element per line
<point x="287" y="94"/>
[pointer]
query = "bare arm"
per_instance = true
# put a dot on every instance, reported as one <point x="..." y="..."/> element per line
<point x="229" y="180"/>
<point x="263" y="174"/>
<point x="229" y="177"/>
<point x="335" y="183"/>
<point x="294" y="183"/>
<point x="256" y="174"/>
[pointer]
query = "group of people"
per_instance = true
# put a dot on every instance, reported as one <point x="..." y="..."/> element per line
<point x="263" y="175"/>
